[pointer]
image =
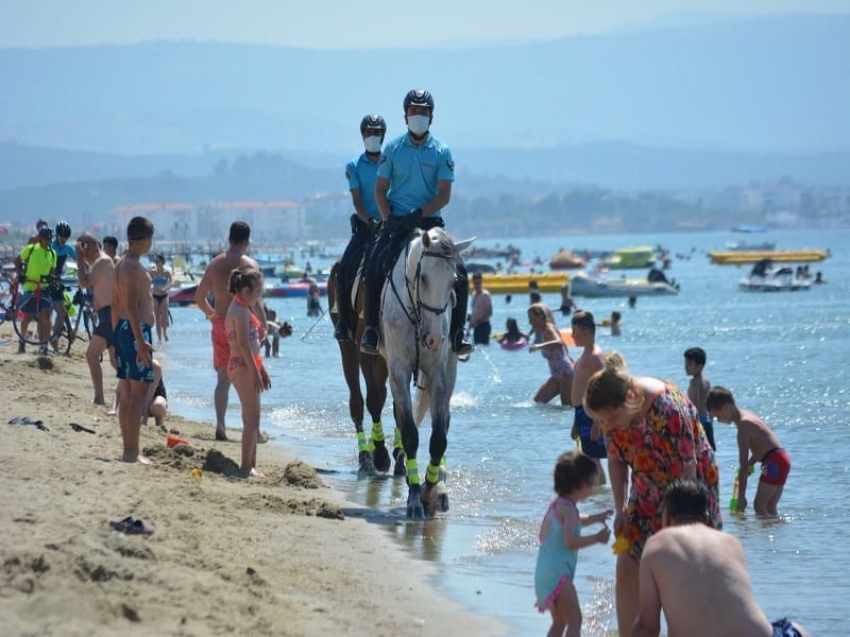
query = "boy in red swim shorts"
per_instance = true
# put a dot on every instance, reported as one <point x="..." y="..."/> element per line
<point x="756" y="443"/>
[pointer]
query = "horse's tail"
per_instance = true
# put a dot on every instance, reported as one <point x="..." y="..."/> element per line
<point x="422" y="401"/>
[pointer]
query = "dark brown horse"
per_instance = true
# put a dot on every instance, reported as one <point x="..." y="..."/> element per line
<point x="372" y="454"/>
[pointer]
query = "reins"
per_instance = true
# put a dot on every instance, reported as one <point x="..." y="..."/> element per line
<point x="414" y="316"/>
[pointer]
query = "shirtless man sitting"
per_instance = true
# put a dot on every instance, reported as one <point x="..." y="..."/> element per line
<point x="591" y="360"/>
<point x="95" y="272"/>
<point x="215" y="282"/>
<point x="688" y="558"/>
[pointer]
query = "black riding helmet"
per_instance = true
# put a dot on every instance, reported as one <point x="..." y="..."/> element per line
<point x="45" y="232"/>
<point x="418" y="97"/>
<point x="373" y="122"/>
<point x="63" y="230"/>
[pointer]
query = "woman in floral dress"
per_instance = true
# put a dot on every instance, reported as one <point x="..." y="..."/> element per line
<point x="653" y="432"/>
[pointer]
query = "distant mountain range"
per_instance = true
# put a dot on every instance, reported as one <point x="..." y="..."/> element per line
<point x="760" y="85"/>
<point x="685" y="108"/>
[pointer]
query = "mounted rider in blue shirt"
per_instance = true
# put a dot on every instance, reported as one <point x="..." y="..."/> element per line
<point x="361" y="174"/>
<point x="414" y="184"/>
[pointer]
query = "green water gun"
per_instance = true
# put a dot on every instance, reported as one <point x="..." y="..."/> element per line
<point x="733" y="502"/>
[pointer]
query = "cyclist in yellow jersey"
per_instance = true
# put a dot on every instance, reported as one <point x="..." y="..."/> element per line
<point x="36" y="261"/>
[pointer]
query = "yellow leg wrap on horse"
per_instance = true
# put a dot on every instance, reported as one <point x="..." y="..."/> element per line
<point x="377" y="431"/>
<point x="362" y="443"/>
<point x="443" y="461"/>
<point x="432" y="473"/>
<point x="412" y="471"/>
<point x="397" y="444"/>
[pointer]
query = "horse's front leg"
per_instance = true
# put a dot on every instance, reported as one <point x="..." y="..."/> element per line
<point x="351" y="371"/>
<point x="403" y="411"/>
<point x="436" y="498"/>
<point x="375" y="373"/>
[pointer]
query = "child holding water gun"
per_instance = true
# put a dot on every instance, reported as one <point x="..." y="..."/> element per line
<point x="756" y="443"/>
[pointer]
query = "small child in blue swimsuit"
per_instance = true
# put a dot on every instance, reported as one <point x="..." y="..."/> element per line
<point x="561" y="538"/>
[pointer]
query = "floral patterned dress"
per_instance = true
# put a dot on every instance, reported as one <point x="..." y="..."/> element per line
<point x="658" y="449"/>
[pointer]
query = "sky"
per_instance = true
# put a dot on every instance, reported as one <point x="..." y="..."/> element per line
<point x="364" y="24"/>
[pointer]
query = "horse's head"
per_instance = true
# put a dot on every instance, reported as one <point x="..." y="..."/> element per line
<point x="432" y="269"/>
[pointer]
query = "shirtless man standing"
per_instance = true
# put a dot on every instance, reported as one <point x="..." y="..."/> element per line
<point x="685" y="559"/>
<point x="215" y="281"/>
<point x="95" y="272"/>
<point x="132" y="320"/>
<point x="587" y="364"/>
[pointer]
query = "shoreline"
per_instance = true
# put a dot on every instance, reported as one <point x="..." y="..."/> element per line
<point x="287" y="555"/>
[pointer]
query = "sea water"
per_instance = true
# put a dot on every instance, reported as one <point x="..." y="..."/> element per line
<point x="783" y="354"/>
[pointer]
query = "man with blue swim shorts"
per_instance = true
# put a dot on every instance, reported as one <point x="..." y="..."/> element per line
<point x="591" y="360"/>
<point x="414" y="184"/>
<point x="361" y="174"/>
<point x="132" y="318"/>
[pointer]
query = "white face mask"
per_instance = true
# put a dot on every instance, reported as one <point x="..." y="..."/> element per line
<point x="418" y="124"/>
<point x="372" y="144"/>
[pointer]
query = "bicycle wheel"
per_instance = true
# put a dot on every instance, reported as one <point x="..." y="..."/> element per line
<point x="65" y="336"/>
<point x="30" y="334"/>
<point x="7" y="300"/>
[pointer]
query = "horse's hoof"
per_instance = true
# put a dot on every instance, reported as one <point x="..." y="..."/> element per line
<point x="435" y="499"/>
<point x="381" y="457"/>
<point x="400" y="470"/>
<point x="415" y="510"/>
<point x="366" y="466"/>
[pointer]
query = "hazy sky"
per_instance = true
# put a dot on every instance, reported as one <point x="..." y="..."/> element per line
<point x="345" y="24"/>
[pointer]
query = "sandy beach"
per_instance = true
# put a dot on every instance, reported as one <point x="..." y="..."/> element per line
<point x="223" y="555"/>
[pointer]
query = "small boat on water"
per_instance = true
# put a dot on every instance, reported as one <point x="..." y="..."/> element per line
<point x="182" y="296"/>
<point x="765" y="278"/>
<point x="779" y="256"/>
<point x="594" y="287"/>
<point x="566" y="260"/>
<point x="743" y="246"/>
<point x="295" y="288"/>
<point x="518" y="283"/>
<point x="635" y="257"/>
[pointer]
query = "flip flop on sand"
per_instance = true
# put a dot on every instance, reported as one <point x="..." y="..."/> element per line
<point x="131" y="526"/>
<point x="79" y="428"/>
<point x="26" y="420"/>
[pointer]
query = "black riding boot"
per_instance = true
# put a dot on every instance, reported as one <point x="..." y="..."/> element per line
<point x="459" y="345"/>
<point x="371" y="300"/>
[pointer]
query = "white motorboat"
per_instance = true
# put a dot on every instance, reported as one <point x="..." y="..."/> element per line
<point x="594" y="287"/>
<point x="765" y="278"/>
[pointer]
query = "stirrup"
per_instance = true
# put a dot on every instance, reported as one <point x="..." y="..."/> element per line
<point x="341" y="332"/>
<point x="369" y="342"/>
<point x="460" y="346"/>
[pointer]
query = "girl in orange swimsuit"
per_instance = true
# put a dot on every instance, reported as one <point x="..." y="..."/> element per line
<point x="245" y="366"/>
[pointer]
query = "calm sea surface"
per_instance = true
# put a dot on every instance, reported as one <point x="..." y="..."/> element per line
<point x="782" y="354"/>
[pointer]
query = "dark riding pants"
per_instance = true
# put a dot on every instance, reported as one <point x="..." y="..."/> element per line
<point x="361" y="234"/>
<point x="388" y="246"/>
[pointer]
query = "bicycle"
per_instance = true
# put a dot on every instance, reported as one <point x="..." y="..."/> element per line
<point x="22" y="312"/>
<point x="71" y="330"/>
<point x="8" y="298"/>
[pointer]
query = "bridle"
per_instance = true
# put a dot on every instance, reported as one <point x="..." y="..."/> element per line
<point x="415" y="312"/>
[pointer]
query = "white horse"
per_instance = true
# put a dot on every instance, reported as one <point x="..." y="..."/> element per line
<point x="417" y="302"/>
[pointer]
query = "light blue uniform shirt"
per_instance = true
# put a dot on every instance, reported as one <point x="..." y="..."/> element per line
<point x="62" y="254"/>
<point x="362" y="174"/>
<point x="414" y="171"/>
